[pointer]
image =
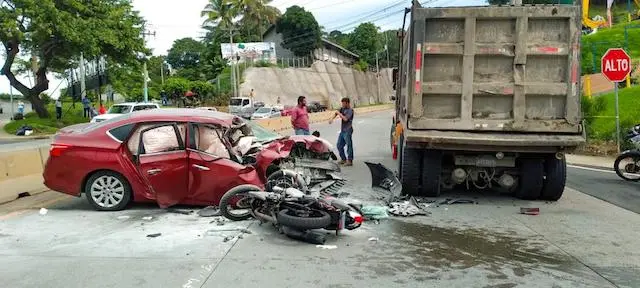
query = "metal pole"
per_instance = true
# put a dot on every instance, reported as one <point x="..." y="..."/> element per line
<point x="233" y="69"/>
<point x="11" y="100"/>
<point x="617" y="118"/>
<point x="386" y="47"/>
<point x="162" y="72"/>
<point x="377" y="78"/>
<point x="83" y="86"/>
<point x="146" y="75"/>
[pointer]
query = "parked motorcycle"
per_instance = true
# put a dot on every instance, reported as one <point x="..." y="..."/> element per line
<point x="632" y="168"/>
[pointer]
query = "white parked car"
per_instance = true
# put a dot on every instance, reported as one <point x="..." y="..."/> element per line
<point x="266" y="112"/>
<point x="124" y="108"/>
<point x="208" y="108"/>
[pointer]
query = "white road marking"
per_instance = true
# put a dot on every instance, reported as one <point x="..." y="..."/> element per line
<point x="591" y="169"/>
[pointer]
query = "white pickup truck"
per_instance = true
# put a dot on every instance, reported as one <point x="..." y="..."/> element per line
<point x="124" y="108"/>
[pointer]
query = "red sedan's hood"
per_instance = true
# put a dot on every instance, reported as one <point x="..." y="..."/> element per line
<point x="313" y="143"/>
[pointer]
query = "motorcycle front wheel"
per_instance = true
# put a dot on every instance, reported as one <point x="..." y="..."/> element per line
<point x="626" y="169"/>
<point x="237" y="198"/>
<point x="317" y="219"/>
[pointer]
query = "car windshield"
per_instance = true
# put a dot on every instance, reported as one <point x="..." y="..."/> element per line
<point x="262" y="134"/>
<point x="119" y="109"/>
<point x="235" y="102"/>
<point x="264" y="110"/>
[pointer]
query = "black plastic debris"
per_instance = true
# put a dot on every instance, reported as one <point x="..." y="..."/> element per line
<point x="209" y="211"/>
<point x="450" y="201"/>
<point x="312" y="237"/>
<point x="178" y="211"/>
<point x="154" y="235"/>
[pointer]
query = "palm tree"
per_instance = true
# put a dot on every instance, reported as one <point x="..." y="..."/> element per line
<point x="219" y="14"/>
<point x="257" y="13"/>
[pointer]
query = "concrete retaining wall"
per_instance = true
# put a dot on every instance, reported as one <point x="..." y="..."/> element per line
<point x="21" y="168"/>
<point x="323" y="81"/>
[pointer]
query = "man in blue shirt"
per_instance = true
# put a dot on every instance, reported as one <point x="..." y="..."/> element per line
<point x="86" y="103"/>
<point x="346" y="132"/>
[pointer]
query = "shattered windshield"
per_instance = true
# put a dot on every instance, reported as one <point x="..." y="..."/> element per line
<point x="262" y="134"/>
<point x="235" y="102"/>
<point x="119" y="109"/>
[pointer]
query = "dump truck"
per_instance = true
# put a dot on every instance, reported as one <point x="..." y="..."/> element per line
<point x="488" y="98"/>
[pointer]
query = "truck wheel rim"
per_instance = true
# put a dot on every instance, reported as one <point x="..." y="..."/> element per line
<point x="107" y="191"/>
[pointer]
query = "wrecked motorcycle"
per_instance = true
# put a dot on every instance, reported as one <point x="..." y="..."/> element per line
<point x="291" y="208"/>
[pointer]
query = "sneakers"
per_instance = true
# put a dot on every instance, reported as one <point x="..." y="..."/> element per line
<point x="346" y="163"/>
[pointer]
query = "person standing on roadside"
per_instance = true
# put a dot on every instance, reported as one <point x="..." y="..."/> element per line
<point x="86" y="104"/>
<point x="299" y="117"/>
<point x="58" y="108"/>
<point x="346" y="131"/>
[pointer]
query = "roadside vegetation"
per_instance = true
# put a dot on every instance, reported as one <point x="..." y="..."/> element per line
<point x="46" y="126"/>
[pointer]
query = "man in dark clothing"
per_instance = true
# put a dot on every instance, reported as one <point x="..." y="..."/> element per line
<point x="346" y="132"/>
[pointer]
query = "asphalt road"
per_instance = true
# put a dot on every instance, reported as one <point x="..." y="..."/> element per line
<point x="579" y="241"/>
<point x="606" y="185"/>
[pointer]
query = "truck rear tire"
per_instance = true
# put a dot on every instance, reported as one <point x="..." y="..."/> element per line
<point x="531" y="179"/>
<point x="431" y="170"/>
<point x="555" y="178"/>
<point x="410" y="170"/>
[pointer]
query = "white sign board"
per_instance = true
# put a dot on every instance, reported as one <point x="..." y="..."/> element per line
<point x="250" y="52"/>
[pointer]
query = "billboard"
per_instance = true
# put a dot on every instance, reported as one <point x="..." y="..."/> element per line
<point x="250" y="52"/>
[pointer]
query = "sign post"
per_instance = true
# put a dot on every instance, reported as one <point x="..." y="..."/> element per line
<point x="616" y="66"/>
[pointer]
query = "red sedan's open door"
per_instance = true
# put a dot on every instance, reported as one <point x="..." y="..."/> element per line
<point x="162" y="162"/>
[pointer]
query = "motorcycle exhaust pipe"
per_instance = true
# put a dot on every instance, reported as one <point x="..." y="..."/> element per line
<point x="264" y="217"/>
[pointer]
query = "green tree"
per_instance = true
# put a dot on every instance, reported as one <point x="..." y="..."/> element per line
<point x="185" y="53"/>
<point x="300" y="31"/>
<point x="219" y="14"/>
<point x="257" y="15"/>
<point x="365" y="42"/>
<point x="390" y="39"/>
<point x="56" y="32"/>
<point x="339" y="38"/>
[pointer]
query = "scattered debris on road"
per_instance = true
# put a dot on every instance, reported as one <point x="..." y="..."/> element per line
<point x="218" y="220"/>
<point x="529" y="211"/>
<point x="374" y="239"/>
<point x="154" y="235"/>
<point x="374" y="212"/>
<point x="408" y="208"/>
<point x="178" y="211"/>
<point x="450" y="201"/>
<point x="123" y="217"/>
<point x="209" y="211"/>
<point x="147" y="218"/>
<point x="328" y="247"/>
<point x="43" y="211"/>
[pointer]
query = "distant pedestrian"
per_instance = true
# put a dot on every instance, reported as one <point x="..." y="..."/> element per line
<point x="86" y="104"/>
<point x="299" y="117"/>
<point x="346" y="131"/>
<point x="252" y="94"/>
<point x="21" y="107"/>
<point x="165" y="101"/>
<point x="102" y="110"/>
<point x="58" y="108"/>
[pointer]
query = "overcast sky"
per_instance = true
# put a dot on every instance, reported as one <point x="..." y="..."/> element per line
<point x="172" y="20"/>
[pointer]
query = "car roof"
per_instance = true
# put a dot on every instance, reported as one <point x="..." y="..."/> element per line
<point x="182" y="114"/>
<point x="136" y="103"/>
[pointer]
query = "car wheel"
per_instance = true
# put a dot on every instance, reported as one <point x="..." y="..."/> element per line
<point x="555" y="178"/>
<point x="108" y="191"/>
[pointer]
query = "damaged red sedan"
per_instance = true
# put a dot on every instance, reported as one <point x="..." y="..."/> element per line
<point x="170" y="156"/>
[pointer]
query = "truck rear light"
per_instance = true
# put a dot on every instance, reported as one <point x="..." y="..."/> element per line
<point x="57" y="149"/>
<point x="418" y="80"/>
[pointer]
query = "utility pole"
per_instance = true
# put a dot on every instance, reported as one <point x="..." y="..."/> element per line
<point x="145" y="73"/>
<point x="377" y="78"/>
<point x="386" y="47"/>
<point x="233" y="69"/>
<point x="162" y="72"/>
<point x="83" y="90"/>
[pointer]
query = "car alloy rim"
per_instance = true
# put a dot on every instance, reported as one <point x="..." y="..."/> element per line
<point x="107" y="191"/>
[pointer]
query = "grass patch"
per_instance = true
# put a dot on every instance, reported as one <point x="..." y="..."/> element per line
<point x="44" y="126"/>
<point x="600" y="117"/>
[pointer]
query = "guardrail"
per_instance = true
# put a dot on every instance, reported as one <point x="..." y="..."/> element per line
<point x="21" y="168"/>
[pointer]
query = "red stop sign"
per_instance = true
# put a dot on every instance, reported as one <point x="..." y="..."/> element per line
<point x="615" y="64"/>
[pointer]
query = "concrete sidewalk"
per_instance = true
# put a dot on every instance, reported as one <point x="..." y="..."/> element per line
<point x="590" y="161"/>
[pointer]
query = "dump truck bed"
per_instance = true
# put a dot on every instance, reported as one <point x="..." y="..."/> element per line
<point x="508" y="69"/>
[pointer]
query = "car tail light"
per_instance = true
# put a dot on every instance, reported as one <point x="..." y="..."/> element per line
<point x="57" y="149"/>
<point x="358" y="219"/>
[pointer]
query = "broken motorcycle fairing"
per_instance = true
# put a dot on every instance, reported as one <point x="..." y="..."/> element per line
<point x="384" y="179"/>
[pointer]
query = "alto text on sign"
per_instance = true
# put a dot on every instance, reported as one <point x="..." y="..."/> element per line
<point x="616" y="64"/>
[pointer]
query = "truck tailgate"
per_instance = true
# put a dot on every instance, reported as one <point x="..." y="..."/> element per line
<point x="495" y="69"/>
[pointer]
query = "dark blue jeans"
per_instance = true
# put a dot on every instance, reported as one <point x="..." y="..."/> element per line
<point x="345" y="138"/>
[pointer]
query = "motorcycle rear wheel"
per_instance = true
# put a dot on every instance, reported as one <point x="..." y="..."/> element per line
<point x="319" y="220"/>
<point x="622" y="170"/>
